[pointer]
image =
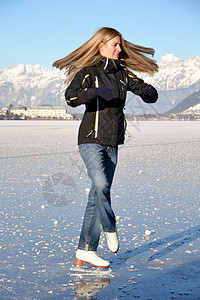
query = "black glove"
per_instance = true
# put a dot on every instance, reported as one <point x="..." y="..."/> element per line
<point x="104" y="92"/>
<point x="149" y="95"/>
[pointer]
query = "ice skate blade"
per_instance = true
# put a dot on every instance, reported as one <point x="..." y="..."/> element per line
<point x="80" y="262"/>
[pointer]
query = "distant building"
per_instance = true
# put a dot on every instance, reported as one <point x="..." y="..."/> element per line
<point x="3" y="111"/>
<point x="42" y="112"/>
<point x="18" y="110"/>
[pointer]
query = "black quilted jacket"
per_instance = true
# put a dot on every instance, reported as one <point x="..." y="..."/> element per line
<point x="103" y="121"/>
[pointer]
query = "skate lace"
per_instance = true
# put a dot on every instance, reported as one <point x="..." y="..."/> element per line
<point x="97" y="256"/>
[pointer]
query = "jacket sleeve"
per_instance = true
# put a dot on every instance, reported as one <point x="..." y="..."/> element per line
<point x="80" y="91"/>
<point x="146" y="91"/>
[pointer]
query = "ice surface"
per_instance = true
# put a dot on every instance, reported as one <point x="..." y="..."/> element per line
<point x="43" y="189"/>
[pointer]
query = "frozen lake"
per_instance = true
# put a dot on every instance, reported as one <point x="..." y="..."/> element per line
<point x="43" y="193"/>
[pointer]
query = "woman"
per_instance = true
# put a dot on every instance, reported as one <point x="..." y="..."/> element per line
<point x="99" y="76"/>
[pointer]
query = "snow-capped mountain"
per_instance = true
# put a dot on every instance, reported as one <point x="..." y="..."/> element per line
<point x="175" y="73"/>
<point x="190" y="104"/>
<point x="176" y="80"/>
<point x="32" y="85"/>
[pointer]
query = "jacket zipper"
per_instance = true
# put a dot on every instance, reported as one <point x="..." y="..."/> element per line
<point x="90" y="133"/>
<point x="97" y="112"/>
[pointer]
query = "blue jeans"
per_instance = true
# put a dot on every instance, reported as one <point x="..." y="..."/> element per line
<point x="100" y="162"/>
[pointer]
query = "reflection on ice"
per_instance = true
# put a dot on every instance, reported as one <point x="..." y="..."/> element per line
<point x="90" y="281"/>
<point x="86" y="289"/>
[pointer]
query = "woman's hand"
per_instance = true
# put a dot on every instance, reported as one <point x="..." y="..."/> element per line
<point x="149" y="95"/>
<point x="104" y="92"/>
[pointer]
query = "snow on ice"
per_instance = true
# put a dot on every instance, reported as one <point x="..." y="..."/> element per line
<point x="155" y="196"/>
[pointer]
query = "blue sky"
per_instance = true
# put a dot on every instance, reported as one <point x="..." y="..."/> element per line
<point x="42" y="31"/>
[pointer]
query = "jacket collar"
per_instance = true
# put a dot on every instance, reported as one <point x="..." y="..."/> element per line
<point x="110" y="65"/>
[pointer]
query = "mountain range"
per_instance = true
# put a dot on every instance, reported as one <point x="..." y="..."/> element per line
<point x="34" y="85"/>
<point x="191" y="103"/>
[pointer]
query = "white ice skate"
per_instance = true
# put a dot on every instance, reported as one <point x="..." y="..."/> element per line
<point x="112" y="241"/>
<point x="91" y="257"/>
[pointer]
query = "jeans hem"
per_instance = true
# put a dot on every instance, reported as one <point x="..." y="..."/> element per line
<point x="88" y="249"/>
<point x="109" y="231"/>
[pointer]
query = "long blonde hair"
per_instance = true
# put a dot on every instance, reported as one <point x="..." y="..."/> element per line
<point x="88" y="55"/>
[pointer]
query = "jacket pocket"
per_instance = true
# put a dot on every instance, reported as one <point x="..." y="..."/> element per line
<point x="90" y="121"/>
